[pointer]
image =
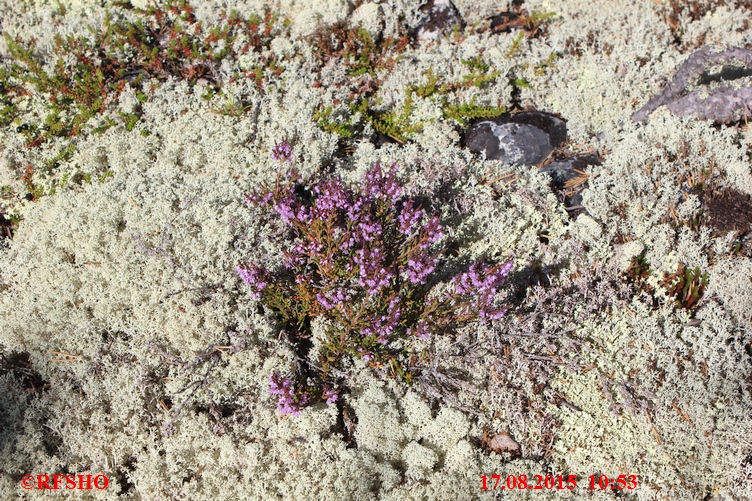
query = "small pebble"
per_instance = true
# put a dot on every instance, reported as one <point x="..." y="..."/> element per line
<point x="567" y="170"/>
<point x="504" y="22"/>
<point x="525" y="138"/>
<point x="439" y="18"/>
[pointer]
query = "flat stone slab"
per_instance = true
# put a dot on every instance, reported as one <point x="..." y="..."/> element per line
<point x="525" y="138"/>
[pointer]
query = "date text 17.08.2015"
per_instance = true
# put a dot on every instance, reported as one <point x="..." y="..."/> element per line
<point x="557" y="482"/>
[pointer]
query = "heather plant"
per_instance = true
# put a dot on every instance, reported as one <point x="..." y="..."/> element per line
<point x="364" y="262"/>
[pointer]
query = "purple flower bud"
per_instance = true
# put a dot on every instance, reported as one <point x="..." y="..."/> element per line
<point x="409" y="217"/>
<point x="382" y="184"/>
<point x="253" y="276"/>
<point x="258" y="198"/>
<point x="354" y="211"/>
<point x="331" y="197"/>
<point x="290" y="210"/>
<point x="331" y="396"/>
<point x="282" y="152"/>
<point x="492" y="315"/>
<point x="482" y="280"/>
<point x="419" y="267"/>
<point x="367" y="355"/>
<point x="333" y="298"/>
<point x="373" y="275"/>
<point x="433" y="231"/>
<point x="370" y="230"/>
<point x="287" y="403"/>
<point x="421" y="330"/>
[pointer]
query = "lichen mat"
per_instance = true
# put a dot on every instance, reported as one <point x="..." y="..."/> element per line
<point x="135" y="357"/>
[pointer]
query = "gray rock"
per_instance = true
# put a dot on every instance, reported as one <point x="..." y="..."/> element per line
<point x="525" y="138"/>
<point x="439" y="18"/>
<point x="567" y="170"/>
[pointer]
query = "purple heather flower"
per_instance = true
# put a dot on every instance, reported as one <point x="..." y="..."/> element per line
<point x="304" y="279"/>
<point x="419" y="267"/>
<point x="331" y="396"/>
<point x="286" y="403"/>
<point x="384" y="325"/>
<point x="333" y="298"/>
<point x="492" y="315"/>
<point x="369" y="229"/>
<point x="307" y="248"/>
<point x="259" y="197"/>
<point x="481" y="280"/>
<point x="367" y="355"/>
<point x="422" y="330"/>
<point x="433" y="231"/>
<point x="292" y="260"/>
<point x="290" y="210"/>
<point x="282" y="152"/>
<point x="255" y="277"/>
<point x="331" y="196"/>
<point x="373" y="275"/>
<point x="355" y="209"/>
<point x="380" y="183"/>
<point x="409" y="217"/>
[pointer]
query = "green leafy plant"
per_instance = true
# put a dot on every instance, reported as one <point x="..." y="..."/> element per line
<point x="463" y="112"/>
<point x="393" y="123"/>
<point x="323" y="120"/>
<point x="686" y="286"/>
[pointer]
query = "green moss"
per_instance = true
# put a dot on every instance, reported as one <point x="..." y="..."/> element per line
<point x="130" y="120"/>
<point x="396" y="124"/>
<point x="322" y="119"/>
<point x="463" y="112"/>
<point x="541" y="67"/>
<point x="516" y="44"/>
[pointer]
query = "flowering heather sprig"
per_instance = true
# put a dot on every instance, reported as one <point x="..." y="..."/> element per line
<point x="254" y="276"/>
<point x="409" y="217"/>
<point x="333" y="298"/>
<point x="291" y="210"/>
<point x="420" y="267"/>
<point x="382" y="184"/>
<point x="288" y="402"/>
<point x="282" y="152"/>
<point x="373" y="275"/>
<point x="421" y="330"/>
<point x="433" y="231"/>
<point x="364" y="260"/>
<point x="330" y="197"/>
<point x="483" y="282"/>
<point x="382" y="326"/>
<point x="330" y="396"/>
